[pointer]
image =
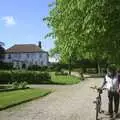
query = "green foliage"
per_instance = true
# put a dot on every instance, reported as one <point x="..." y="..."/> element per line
<point x="37" y="68"/>
<point x="19" y="85"/>
<point x="21" y="76"/>
<point x="86" y="29"/>
<point x="23" y="84"/>
<point x="12" y="98"/>
<point x="112" y="67"/>
<point x="53" y="52"/>
<point x="57" y="67"/>
<point x="5" y="66"/>
<point x="64" y="79"/>
<point x="5" y="86"/>
<point x="61" y="72"/>
<point x="5" y="77"/>
<point x="2" y="51"/>
<point x="15" y="85"/>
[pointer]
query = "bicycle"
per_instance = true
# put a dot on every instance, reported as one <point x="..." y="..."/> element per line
<point x="98" y="102"/>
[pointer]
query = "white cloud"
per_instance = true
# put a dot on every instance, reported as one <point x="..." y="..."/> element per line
<point x="9" y="20"/>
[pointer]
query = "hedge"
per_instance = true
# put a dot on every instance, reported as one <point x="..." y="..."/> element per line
<point x="37" y="68"/>
<point x="5" y="66"/>
<point x="20" y="76"/>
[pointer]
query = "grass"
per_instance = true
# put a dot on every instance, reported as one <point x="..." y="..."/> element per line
<point x="9" y="99"/>
<point x="4" y="87"/>
<point x="64" y="79"/>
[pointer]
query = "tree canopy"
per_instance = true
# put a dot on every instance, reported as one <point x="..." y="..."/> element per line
<point x="86" y="29"/>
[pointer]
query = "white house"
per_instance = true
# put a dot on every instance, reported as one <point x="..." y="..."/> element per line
<point x="25" y="55"/>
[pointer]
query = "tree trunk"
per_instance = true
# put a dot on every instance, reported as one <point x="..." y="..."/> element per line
<point x="98" y="68"/>
<point x="70" y="66"/>
<point x="81" y="74"/>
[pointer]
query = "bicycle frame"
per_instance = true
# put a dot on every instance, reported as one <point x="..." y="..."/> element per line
<point x="98" y="103"/>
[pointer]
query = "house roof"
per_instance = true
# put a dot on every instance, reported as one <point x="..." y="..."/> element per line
<point x="24" y="48"/>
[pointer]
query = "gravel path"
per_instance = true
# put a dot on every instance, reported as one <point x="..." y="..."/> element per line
<point x="71" y="102"/>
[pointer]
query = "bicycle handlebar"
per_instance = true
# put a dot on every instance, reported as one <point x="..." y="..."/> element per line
<point x="95" y="87"/>
<point x="98" y="89"/>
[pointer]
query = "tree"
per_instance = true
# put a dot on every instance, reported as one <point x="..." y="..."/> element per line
<point x="102" y="24"/>
<point x="86" y="29"/>
<point x="62" y="31"/>
<point x="2" y="51"/>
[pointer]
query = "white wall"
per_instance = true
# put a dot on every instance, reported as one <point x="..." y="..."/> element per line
<point x="40" y="58"/>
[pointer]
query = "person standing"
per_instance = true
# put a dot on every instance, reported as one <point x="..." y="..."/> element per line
<point x="111" y="83"/>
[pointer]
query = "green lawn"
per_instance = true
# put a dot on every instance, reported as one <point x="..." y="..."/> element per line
<point x="65" y="80"/>
<point x="12" y="98"/>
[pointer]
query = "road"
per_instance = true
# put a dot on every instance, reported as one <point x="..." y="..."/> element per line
<point x="70" y="102"/>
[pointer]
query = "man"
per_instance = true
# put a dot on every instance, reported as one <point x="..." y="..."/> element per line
<point x="111" y="83"/>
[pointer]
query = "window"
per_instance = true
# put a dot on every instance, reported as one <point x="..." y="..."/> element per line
<point x="35" y="62"/>
<point x="40" y="55"/>
<point x="9" y="56"/>
<point x="19" y="56"/>
<point x="15" y="55"/>
<point x="28" y="55"/>
<point x="41" y="62"/>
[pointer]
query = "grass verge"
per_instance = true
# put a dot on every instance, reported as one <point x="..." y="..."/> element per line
<point x="12" y="98"/>
<point x="64" y="79"/>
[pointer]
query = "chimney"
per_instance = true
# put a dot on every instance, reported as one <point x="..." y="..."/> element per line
<point x="40" y="44"/>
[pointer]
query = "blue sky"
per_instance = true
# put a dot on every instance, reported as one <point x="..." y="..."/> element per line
<point x="21" y="21"/>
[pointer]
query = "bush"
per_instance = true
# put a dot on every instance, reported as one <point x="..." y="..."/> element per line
<point x="5" y="66"/>
<point x="15" y="85"/>
<point x="5" y="77"/>
<point x="23" y="84"/>
<point x="27" y="76"/>
<point x="37" y="68"/>
<point x="57" y="67"/>
<point x="61" y="73"/>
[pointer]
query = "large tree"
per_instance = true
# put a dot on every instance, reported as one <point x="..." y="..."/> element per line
<point x="86" y="29"/>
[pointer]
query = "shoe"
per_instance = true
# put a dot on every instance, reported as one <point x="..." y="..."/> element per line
<point x="108" y="113"/>
<point x="111" y="116"/>
<point x="115" y="115"/>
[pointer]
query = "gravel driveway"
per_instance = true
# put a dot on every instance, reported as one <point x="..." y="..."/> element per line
<point x="70" y="102"/>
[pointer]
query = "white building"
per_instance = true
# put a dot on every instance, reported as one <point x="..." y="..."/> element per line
<point x="25" y="55"/>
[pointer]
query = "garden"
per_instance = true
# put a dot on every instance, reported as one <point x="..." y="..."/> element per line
<point x="12" y="98"/>
<point x="14" y="88"/>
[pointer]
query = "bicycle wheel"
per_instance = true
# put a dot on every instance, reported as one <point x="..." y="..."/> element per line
<point x="99" y="105"/>
<point x="97" y="110"/>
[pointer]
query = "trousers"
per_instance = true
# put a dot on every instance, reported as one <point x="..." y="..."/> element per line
<point x="113" y="101"/>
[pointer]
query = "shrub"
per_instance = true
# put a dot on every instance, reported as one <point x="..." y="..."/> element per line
<point x="34" y="67"/>
<point x="37" y="68"/>
<point x="5" y="66"/>
<point x="57" y="67"/>
<point x="23" y="84"/>
<point x="5" y="77"/>
<point x="61" y="73"/>
<point x="15" y="85"/>
<point x="27" y="76"/>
